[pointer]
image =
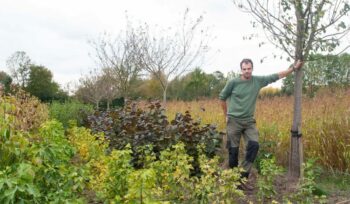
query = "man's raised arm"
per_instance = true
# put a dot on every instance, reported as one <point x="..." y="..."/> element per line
<point x="295" y="67"/>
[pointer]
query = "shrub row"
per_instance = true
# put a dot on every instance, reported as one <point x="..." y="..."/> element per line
<point x="139" y="127"/>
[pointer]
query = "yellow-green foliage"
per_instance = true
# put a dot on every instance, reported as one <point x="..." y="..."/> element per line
<point x="91" y="150"/>
<point x="89" y="146"/>
<point x="325" y="124"/>
<point x="35" y="167"/>
<point x="216" y="185"/>
<point x="18" y="113"/>
<point x="167" y="179"/>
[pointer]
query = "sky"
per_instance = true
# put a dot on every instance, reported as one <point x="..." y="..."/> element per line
<point x="55" y="33"/>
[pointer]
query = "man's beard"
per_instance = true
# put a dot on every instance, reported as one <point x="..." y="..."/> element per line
<point x="247" y="76"/>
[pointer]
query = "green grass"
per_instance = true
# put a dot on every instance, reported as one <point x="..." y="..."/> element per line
<point x="335" y="182"/>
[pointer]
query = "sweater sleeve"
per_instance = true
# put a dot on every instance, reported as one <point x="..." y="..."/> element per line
<point x="226" y="92"/>
<point x="268" y="79"/>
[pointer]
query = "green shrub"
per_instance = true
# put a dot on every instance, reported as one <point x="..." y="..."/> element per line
<point x="308" y="189"/>
<point x="268" y="172"/>
<point x="70" y="110"/>
<point x="36" y="167"/>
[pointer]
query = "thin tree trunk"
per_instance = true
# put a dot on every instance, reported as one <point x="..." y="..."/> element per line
<point x="164" y="97"/>
<point x="296" y="150"/>
<point x="296" y="146"/>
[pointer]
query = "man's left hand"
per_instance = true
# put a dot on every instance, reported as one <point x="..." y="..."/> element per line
<point x="298" y="65"/>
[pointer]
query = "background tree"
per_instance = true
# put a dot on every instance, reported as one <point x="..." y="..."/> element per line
<point x="196" y="84"/>
<point x="322" y="71"/>
<point x="5" y="80"/>
<point x="299" y="28"/>
<point x="91" y="88"/>
<point x="232" y="75"/>
<point x="117" y="58"/>
<point x="176" y="87"/>
<point x="19" y="65"/>
<point x="41" y="84"/>
<point x="217" y="82"/>
<point x="150" y="88"/>
<point x="111" y="86"/>
<point x="168" y="55"/>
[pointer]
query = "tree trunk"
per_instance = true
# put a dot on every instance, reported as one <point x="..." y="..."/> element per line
<point x="164" y="96"/>
<point x="296" y="146"/>
<point x="296" y="150"/>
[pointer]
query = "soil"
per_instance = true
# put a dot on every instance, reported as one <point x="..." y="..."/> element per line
<point x="285" y="187"/>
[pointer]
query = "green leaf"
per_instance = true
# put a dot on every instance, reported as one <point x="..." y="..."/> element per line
<point x="342" y="25"/>
<point x="10" y="194"/>
<point x="26" y="172"/>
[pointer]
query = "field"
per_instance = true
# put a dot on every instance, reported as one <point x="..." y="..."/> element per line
<point x="325" y="125"/>
<point x="325" y="129"/>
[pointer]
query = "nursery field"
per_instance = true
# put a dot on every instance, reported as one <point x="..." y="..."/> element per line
<point x="55" y="154"/>
<point x="325" y="125"/>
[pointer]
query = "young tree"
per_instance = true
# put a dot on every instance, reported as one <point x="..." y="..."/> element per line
<point x="19" y="65"/>
<point x="91" y="88"/>
<point x="168" y="55"/>
<point x="117" y="58"/>
<point x="111" y="87"/>
<point x="300" y="27"/>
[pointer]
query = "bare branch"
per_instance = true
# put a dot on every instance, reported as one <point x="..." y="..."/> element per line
<point x="167" y="54"/>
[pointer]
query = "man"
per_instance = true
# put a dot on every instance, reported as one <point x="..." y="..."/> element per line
<point x="242" y="93"/>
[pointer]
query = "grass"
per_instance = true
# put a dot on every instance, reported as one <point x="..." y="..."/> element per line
<point x="325" y="128"/>
<point x="325" y="125"/>
<point x="336" y="185"/>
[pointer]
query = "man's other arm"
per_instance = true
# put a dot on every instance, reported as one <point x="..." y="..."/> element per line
<point x="224" y="108"/>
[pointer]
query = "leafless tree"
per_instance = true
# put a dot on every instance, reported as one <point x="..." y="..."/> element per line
<point x="110" y="86"/>
<point x="167" y="54"/>
<point x="116" y="57"/>
<point x="300" y="27"/>
<point x="92" y="88"/>
<point x="19" y="65"/>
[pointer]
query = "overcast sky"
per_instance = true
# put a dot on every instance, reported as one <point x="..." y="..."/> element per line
<point x="55" y="33"/>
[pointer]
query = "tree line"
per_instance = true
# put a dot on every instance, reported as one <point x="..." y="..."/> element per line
<point x="35" y="79"/>
<point x="97" y="87"/>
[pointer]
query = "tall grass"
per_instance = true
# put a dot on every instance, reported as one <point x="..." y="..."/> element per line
<point x="70" y="110"/>
<point x="325" y="125"/>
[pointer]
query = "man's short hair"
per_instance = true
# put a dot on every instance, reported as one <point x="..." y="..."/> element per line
<point x="246" y="61"/>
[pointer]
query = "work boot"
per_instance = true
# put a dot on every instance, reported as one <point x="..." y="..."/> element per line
<point x="244" y="186"/>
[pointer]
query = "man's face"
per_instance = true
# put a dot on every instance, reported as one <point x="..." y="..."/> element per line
<point x="246" y="70"/>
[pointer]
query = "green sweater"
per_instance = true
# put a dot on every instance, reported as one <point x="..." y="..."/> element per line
<point x="242" y="95"/>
